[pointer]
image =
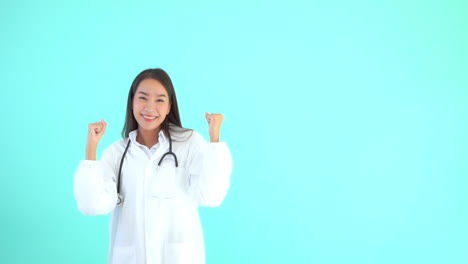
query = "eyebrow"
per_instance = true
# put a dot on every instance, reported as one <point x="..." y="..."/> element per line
<point x="158" y="95"/>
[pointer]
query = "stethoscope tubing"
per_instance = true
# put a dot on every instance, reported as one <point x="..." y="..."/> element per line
<point x="119" y="195"/>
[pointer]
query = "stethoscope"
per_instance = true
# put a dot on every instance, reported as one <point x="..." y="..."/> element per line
<point x="120" y="197"/>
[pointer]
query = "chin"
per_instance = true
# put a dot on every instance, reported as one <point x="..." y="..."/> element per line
<point x="149" y="128"/>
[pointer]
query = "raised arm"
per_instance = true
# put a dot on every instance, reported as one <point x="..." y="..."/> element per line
<point x="209" y="165"/>
<point x="95" y="180"/>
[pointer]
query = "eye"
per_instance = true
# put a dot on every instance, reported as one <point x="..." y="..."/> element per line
<point x="160" y="101"/>
<point x="142" y="98"/>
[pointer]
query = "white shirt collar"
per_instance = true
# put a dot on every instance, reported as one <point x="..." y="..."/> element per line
<point x="133" y="135"/>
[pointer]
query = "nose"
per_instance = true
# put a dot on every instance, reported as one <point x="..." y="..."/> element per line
<point x="150" y="107"/>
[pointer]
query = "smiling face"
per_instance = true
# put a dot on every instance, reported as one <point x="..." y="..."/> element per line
<point x="150" y="105"/>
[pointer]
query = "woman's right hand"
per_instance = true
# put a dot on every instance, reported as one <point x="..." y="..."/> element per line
<point x="95" y="133"/>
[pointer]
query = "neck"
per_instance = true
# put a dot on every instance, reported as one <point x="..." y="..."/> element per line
<point x="148" y="138"/>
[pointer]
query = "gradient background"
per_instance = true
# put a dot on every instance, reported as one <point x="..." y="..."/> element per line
<point x="346" y="120"/>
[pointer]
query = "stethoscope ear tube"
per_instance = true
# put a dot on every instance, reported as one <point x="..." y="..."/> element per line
<point x="169" y="153"/>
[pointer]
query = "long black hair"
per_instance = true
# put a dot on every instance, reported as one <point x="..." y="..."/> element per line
<point x="172" y="120"/>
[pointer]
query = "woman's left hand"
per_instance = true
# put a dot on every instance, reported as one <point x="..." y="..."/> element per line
<point x="214" y="123"/>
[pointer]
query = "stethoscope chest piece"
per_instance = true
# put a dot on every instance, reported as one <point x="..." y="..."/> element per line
<point x="120" y="199"/>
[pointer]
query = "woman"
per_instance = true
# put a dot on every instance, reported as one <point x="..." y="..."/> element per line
<point x="153" y="192"/>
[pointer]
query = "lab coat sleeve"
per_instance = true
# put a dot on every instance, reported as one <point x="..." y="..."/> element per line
<point x="95" y="185"/>
<point x="210" y="167"/>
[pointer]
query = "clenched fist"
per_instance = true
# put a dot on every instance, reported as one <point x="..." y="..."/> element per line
<point x="214" y="123"/>
<point x="95" y="133"/>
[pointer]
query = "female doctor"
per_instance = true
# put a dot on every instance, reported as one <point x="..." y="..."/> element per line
<point x="154" y="178"/>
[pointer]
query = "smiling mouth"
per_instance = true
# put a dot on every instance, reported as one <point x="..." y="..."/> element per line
<point x="149" y="118"/>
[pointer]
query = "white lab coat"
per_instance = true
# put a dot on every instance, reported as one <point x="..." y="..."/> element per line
<point x="158" y="222"/>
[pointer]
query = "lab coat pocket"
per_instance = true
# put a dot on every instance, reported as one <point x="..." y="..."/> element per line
<point x="181" y="253"/>
<point x="167" y="182"/>
<point x="123" y="255"/>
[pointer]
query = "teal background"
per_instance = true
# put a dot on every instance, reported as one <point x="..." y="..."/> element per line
<point x="346" y="121"/>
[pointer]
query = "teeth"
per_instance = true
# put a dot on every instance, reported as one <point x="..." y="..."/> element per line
<point x="147" y="117"/>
